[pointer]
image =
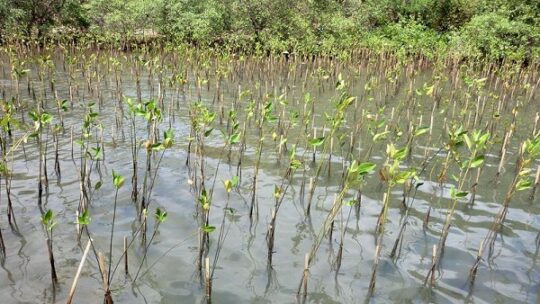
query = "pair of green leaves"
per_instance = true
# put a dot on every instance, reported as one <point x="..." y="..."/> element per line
<point x="229" y="184"/>
<point x="160" y="215"/>
<point x="118" y="180"/>
<point x="47" y="219"/>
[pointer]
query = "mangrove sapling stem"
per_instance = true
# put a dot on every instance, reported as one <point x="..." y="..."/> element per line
<point x="153" y="114"/>
<point x="394" y="254"/>
<point x="311" y="190"/>
<point x="536" y="183"/>
<point x="433" y="259"/>
<point x="475" y="185"/>
<point x="47" y="219"/>
<point x="2" y="248"/>
<point x="476" y="143"/>
<point x="153" y="178"/>
<point x="5" y="171"/>
<point x="126" y="248"/>
<point x="56" y="158"/>
<point x="379" y="232"/>
<point x="229" y="184"/>
<point x="355" y="174"/>
<point x="160" y="217"/>
<point x="374" y="271"/>
<point x="118" y="182"/>
<point x="254" y="184"/>
<point x="339" y="255"/>
<point x="125" y="252"/>
<point x="536" y="120"/>
<point x="279" y="195"/>
<point x="305" y="275"/>
<point x="474" y="268"/>
<point x="134" y="148"/>
<point x="164" y="254"/>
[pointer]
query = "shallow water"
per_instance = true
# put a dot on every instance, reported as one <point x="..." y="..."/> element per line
<point x="169" y="274"/>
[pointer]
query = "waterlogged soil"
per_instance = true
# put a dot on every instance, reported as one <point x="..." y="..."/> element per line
<point x="393" y="95"/>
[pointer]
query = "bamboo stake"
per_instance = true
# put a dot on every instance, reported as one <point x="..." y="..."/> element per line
<point x="78" y="273"/>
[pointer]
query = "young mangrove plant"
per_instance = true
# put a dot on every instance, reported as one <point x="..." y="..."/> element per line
<point x="529" y="153"/>
<point x="392" y="174"/>
<point x="476" y="145"/>
<point x="118" y="182"/>
<point x="41" y="120"/>
<point x="160" y="216"/>
<point x="48" y="221"/>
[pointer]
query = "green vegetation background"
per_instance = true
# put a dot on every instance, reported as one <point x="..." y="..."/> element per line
<point x="465" y="29"/>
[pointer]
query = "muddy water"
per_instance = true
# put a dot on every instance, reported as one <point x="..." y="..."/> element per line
<point x="169" y="273"/>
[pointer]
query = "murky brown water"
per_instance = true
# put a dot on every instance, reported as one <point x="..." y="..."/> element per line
<point x="169" y="274"/>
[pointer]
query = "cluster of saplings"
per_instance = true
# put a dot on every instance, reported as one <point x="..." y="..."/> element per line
<point x="308" y="140"/>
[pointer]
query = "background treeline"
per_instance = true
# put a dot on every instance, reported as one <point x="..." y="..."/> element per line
<point x="463" y="28"/>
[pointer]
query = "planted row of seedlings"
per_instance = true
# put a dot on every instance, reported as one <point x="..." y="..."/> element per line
<point x="313" y="122"/>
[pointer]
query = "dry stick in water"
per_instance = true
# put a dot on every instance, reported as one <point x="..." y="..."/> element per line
<point x="77" y="275"/>
<point x="103" y="265"/>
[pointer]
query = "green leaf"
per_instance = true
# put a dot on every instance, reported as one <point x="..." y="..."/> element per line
<point x="468" y="141"/>
<point x="46" y="118"/>
<point x="477" y="161"/>
<point x="461" y="194"/>
<point x="207" y="133"/>
<point x="234" y="139"/>
<point x="457" y="194"/>
<point x="84" y="219"/>
<point x="97" y="153"/>
<point x="160" y="215"/>
<point x="234" y="181"/>
<point x="400" y="154"/>
<point x="316" y="141"/>
<point x="48" y="219"/>
<point x="118" y="180"/>
<point x="277" y="191"/>
<point x="421" y="131"/>
<point x="33" y="115"/>
<point x="351" y="203"/>
<point x="402" y="177"/>
<point x="295" y="164"/>
<point x="365" y="168"/>
<point x="228" y="185"/>
<point x="380" y="136"/>
<point x="209" y="229"/>
<point x="523" y="184"/>
<point x="98" y="185"/>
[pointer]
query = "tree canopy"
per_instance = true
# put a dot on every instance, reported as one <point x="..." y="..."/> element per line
<point x="487" y="28"/>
